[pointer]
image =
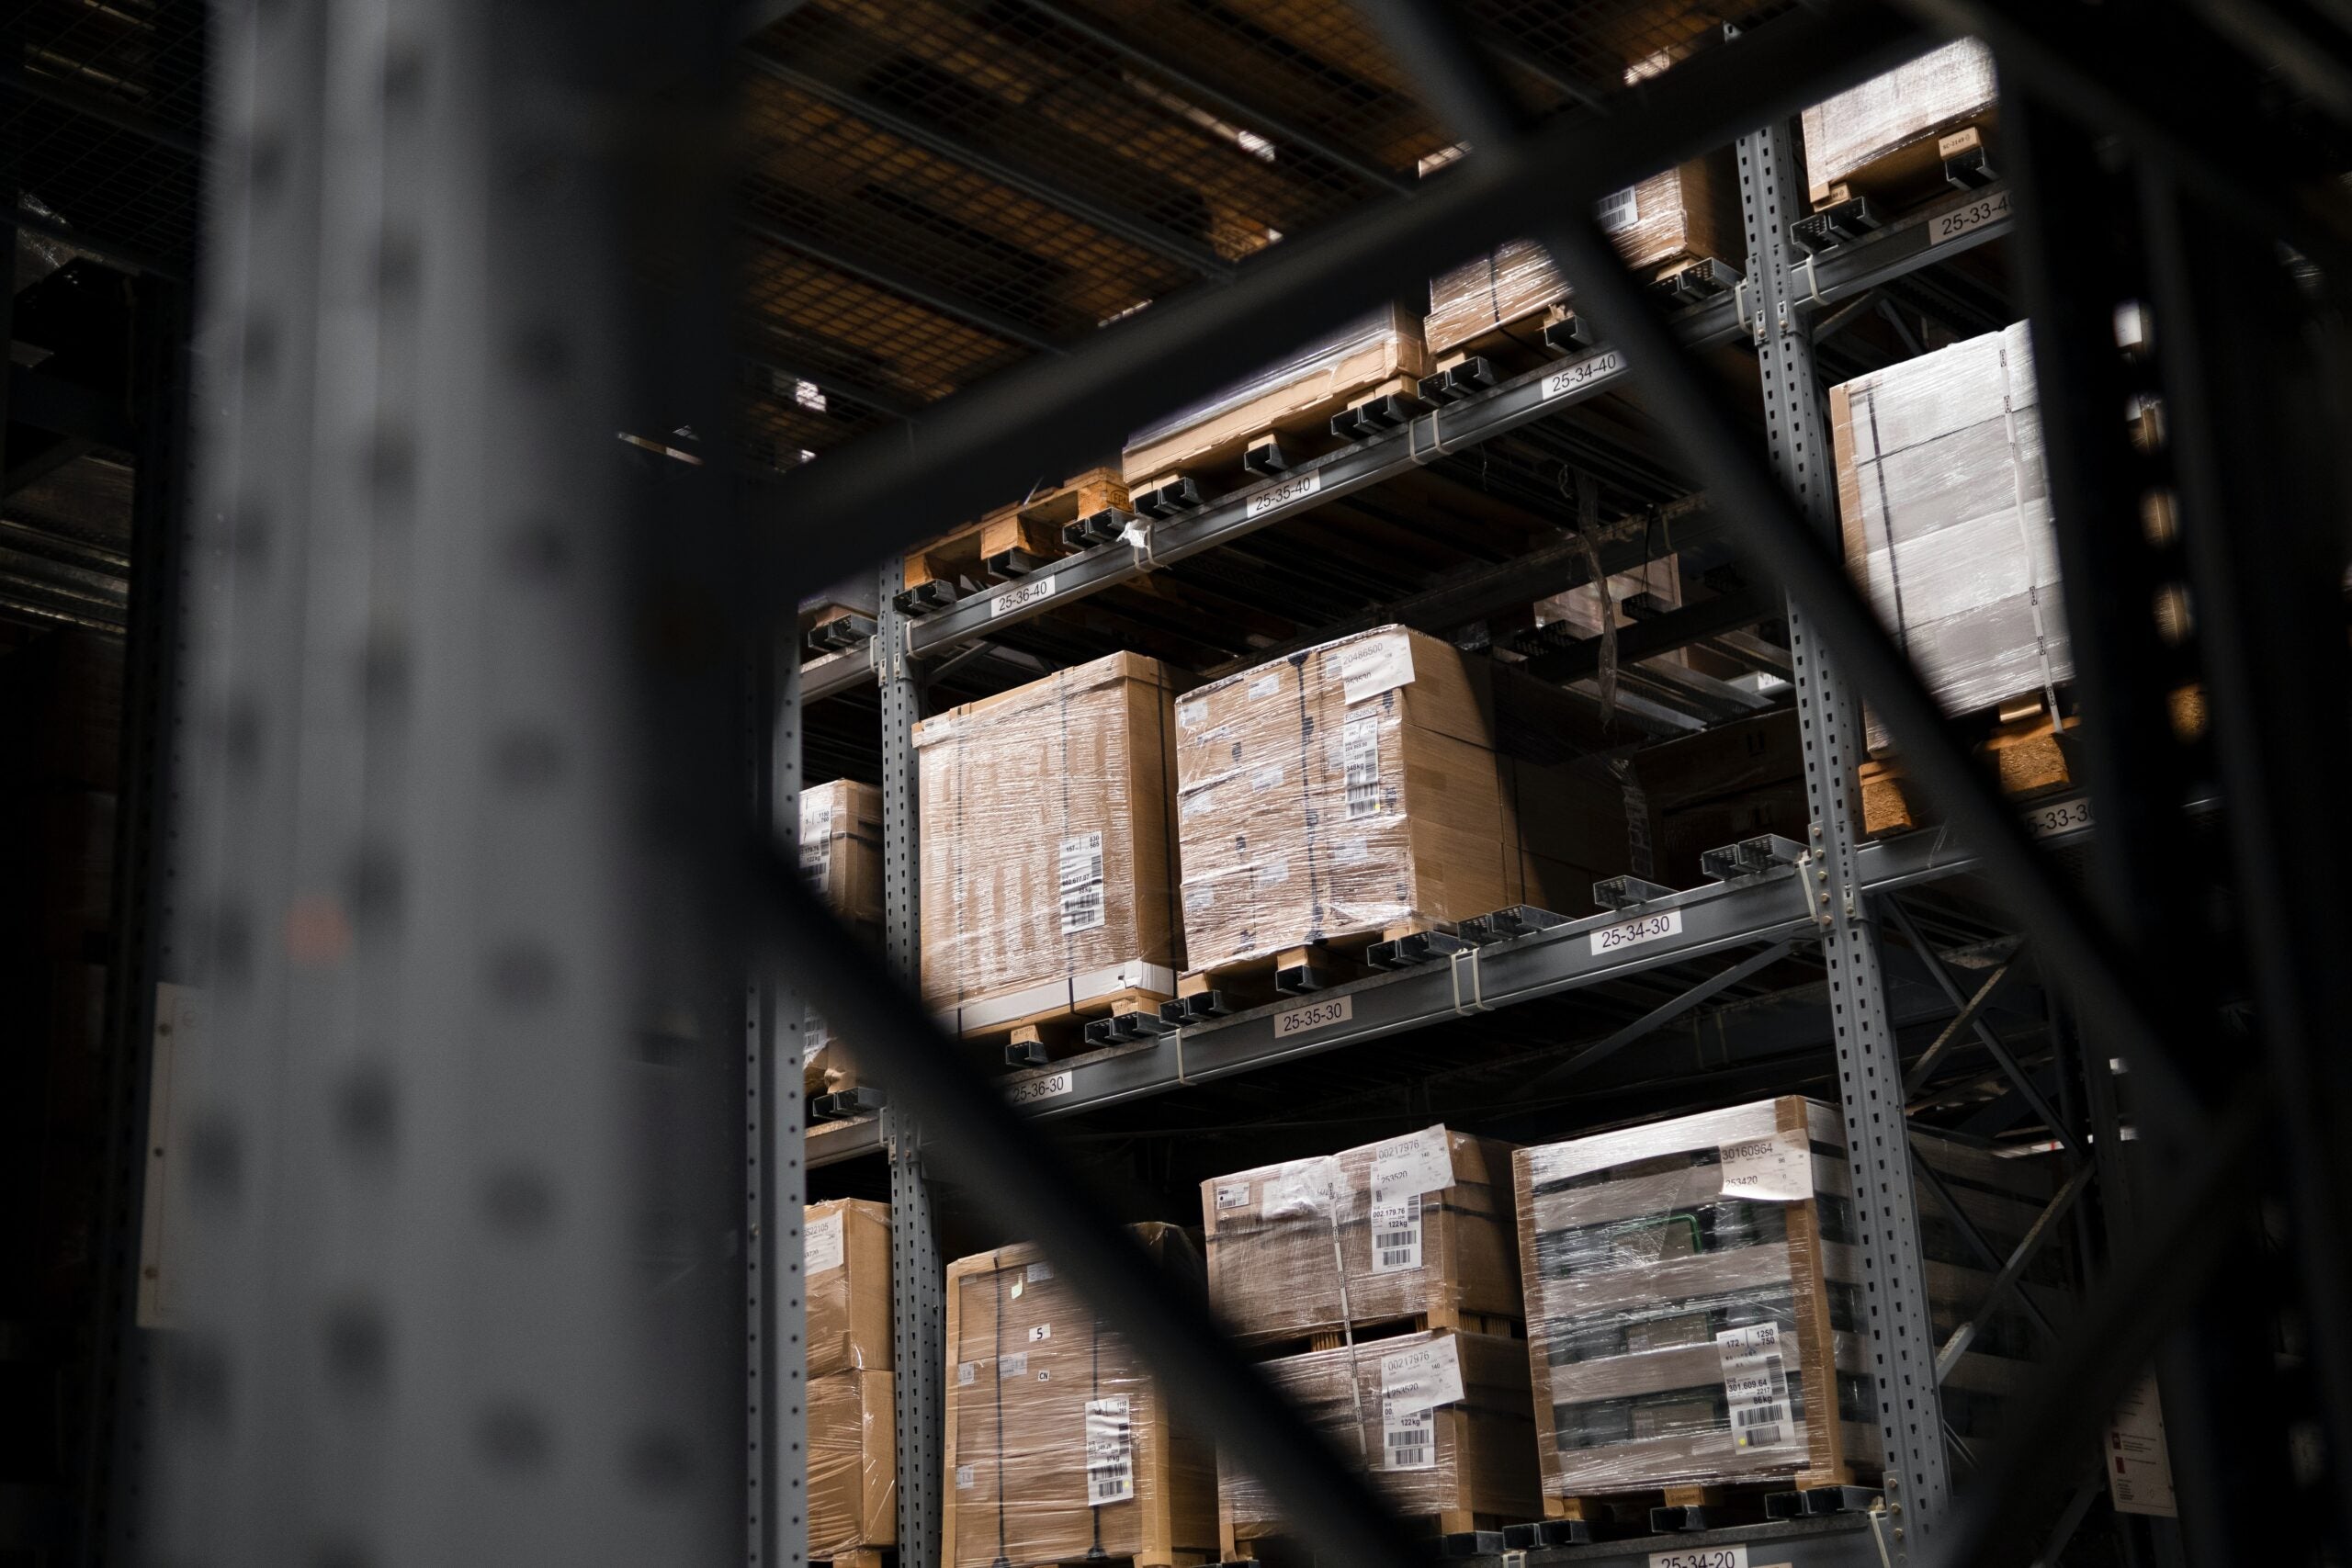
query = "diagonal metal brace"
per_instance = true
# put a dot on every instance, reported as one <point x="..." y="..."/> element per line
<point x="1664" y="1013"/>
<point x="2017" y="1075"/>
<point x="1985" y="1252"/>
<point x="1961" y="1023"/>
<point x="2043" y="1227"/>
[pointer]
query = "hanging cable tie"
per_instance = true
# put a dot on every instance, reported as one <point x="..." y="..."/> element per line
<point x="1475" y="999"/>
<point x="1138" y="536"/>
<point x="1179" y="1037"/>
<point x="1811" y="267"/>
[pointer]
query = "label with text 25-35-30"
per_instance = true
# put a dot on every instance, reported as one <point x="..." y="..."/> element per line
<point x="1633" y="933"/>
<point x="1314" y="1015"/>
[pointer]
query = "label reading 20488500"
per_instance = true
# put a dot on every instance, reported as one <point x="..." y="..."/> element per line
<point x="1633" y="933"/>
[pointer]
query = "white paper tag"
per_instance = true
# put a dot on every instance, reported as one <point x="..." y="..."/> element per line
<point x="1268" y="873"/>
<point x="1617" y="213"/>
<point x="1200" y="898"/>
<point x="1199" y="802"/>
<point x="1053" y="1086"/>
<point x="821" y="1244"/>
<point x="1424" y="1376"/>
<point x="1080" y="881"/>
<point x="1013" y="1366"/>
<point x="1582" y="373"/>
<point x="1351" y="851"/>
<point x="1302" y="1186"/>
<point x="1265" y="686"/>
<point x="1015" y="1291"/>
<point x="1755" y="1386"/>
<point x="1191" y="713"/>
<point x="963" y="1478"/>
<point x="1036" y="591"/>
<point x="1360" y="749"/>
<point x="1777" y="1169"/>
<point x="1040" y="1272"/>
<point x="1633" y="933"/>
<point x="1232" y="1195"/>
<point x="1314" y="1015"/>
<point x="816" y="839"/>
<point x="1110" y="1451"/>
<point x="1408" y="1438"/>
<point x="966" y="1373"/>
<point x="2138" y="1468"/>
<point x="1276" y="497"/>
<point x="1375" y="665"/>
<point x="1267" y="778"/>
<point x="1040" y="1332"/>
<point x="1732" y="1556"/>
<point x="1420" y="1162"/>
<point x="1396" y="1235"/>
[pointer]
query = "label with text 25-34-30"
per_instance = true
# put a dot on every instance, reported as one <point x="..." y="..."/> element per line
<point x="1633" y="933"/>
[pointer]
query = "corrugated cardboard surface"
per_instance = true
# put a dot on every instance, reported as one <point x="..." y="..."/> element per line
<point x="852" y="1465"/>
<point x="849" y="1303"/>
<point x="1914" y="103"/>
<point x="1277" y="1277"/>
<point x="1484" y="1460"/>
<point x="1026" y="1358"/>
<point x="1014" y="789"/>
<point x="841" y="849"/>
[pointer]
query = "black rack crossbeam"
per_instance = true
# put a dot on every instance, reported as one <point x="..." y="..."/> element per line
<point x="898" y="280"/>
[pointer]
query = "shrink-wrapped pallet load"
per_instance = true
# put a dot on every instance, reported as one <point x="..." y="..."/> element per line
<point x="1047" y="855"/>
<point x="846" y="1270"/>
<point x="1897" y="118"/>
<point x="841" y="854"/>
<point x="1696" y="1307"/>
<point x="1417" y="1226"/>
<point x="853" y="1468"/>
<point x="1060" y="1445"/>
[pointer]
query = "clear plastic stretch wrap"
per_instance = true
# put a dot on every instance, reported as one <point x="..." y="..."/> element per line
<point x="1301" y="389"/>
<point x="840" y="854"/>
<point x="1911" y="104"/>
<point x="1367" y="1235"/>
<point x="1439" y="1420"/>
<point x="853" y="1465"/>
<point x="1047" y="853"/>
<point x="1669" y="219"/>
<point x="1355" y="787"/>
<point x="1059" y="1446"/>
<point x="1694" y="1296"/>
<point x="846" y="1270"/>
<point x="1945" y="506"/>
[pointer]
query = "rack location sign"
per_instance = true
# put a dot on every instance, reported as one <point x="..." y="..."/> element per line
<point x="1053" y="1086"/>
<point x="1974" y="215"/>
<point x="1560" y="383"/>
<point x="1633" y="933"/>
<point x="1314" y="1015"/>
<point x="1276" y="497"/>
<point x="1702" y="1557"/>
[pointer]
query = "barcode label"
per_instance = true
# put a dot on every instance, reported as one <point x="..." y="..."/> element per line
<point x="963" y="1478"/>
<point x="1267" y="778"/>
<point x="1359" y="751"/>
<point x="1617" y="213"/>
<point x="1756" y="1385"/>
<point x="1233" y="1195"/>
<point x="1082" y="882"/>
<point x="1265" y="686"/>
<point x="1013" y="1366"/>
<point x="1396" y="1235"/>
<point x="967" y="1373"/>
<point x="1408" y="1437"/>
<point x="817" y="840"/>
<point x="1110" y="1451"/>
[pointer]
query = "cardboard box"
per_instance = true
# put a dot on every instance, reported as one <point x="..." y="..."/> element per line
<point x="1453" y="1462"/>
<point x="853" y="1465"/>
<point x="841" y="849"/>
<point x="1900" y="115"/>
<point x="847" y="1278"/>
<point x="1403" y="1248"/>
<point x="1696" y="1305"/>
<point x="1047" y="855"/>
<point x="1060" y="1445"/>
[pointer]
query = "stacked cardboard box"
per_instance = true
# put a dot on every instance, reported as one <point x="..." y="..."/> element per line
<point x="1060" y="1446"/>
<point x="853" y="1460"/>
<point x="1899" y="116"/>
<point x="1945" y="506"/>
<point x="1048" y="858"/>
<point x="1694" y="1300"/>
<point x="1356" y="786"/>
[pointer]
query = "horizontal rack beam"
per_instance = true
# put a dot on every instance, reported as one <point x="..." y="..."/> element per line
<point x="1719" y="918"/>
<point x="1934" y="233"/>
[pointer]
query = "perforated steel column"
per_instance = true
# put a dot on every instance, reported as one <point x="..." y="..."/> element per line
<point x="917" y="1306"/>
<point x="1896" y="1331"/>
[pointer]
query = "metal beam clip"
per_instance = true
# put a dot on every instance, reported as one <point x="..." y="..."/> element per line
<point x="1473" y="998"/>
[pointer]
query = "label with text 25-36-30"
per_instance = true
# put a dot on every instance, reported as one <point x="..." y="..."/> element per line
<point x="1053" y="1086"/>
<point x="1314" y="1015"/>
<point x="1633" y="933"/>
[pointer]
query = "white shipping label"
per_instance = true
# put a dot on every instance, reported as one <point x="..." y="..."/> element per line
<point x="1633" y="933"/>
<point x="1424" y="1376"/>
<point x="1013" y="1366"/>
<point x="1265" y="686"/>
<point x="1110" y="1451"/>
<point x="1582" y="373"/>
<point x="1040" y="1272"/>
<point x="1302" y="1186"/>
<point x="2139" y="1463"/>
<point x="1755" y="1386"/>
<point x="1199" y="802"/>
<point x="1276" y="497"/>
<point x="1351" y="851"/>
<point x="1050" y="1085"/>
<point x="822" y="1243"/>
<point x="1036" y="591"/>
<point x="1314" y="1015"/>
<point x="816" y="839"/>
<point x="1040" y="1332"/>
<point x="1192" y="714"/>
<point x="1199" y="899"/>
<point x="1396" y="1235"/>
<point x="1082" y="882"/>
<point x="1617" y="213"/>
<point x="1421" y="1163"/>
<point x="963" y="1478"/>
<point x="1267" y="778"/>
<point x="1733" y="1556"/>
<point x="1777" y="1169"/>
<point x="1232" y="1195"/>
<point x="1269" y="873"/>
<point x="1015" y="1291"/>
<point x="967" y="1372"/>
<point x="1375" y="665"/>
<point x="1361" y="750"/>
<point x="1408" y="1438"/>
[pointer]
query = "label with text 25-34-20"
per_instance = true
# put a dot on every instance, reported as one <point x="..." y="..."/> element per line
<point x="1633" y="933"/>
<point x="1314" y="1015"/>
<point x="1701" y="1557"/>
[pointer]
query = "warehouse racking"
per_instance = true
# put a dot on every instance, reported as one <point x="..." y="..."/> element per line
<point x="485" y="631"/>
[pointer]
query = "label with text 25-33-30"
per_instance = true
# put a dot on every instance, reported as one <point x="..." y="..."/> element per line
<point x="1633" y="933"/>
<point x="1314" y="1015"/>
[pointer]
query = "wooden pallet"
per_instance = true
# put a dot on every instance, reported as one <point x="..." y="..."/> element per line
<point x="2028" y="753"/>
<point x="1372" y="1330"/>
<point x="1013" y="541"/>
<point x="1918" y="171"/>
<point x="1299" y="971"/>
<point x="1659" y="1509"/>
<point x="864" y="1557"/>
<point x="1555" y="330"/>
<point x="1058" y="1032"/>
<point x="1264" y="1541"/>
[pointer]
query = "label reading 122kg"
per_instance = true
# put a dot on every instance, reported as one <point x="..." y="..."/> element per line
<point x="1314" y="1015"/>
<point x="1053" y="1086"/>
<point x="1035" y="590"/>
<point x="1975" y="215"/>
<point x="1633" y="933"/>
<point x="2059" y="817"/>
<point x="1701" y="1557"/>
<point x="1560" y="383"/>
<point x="1277" y="496"/>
